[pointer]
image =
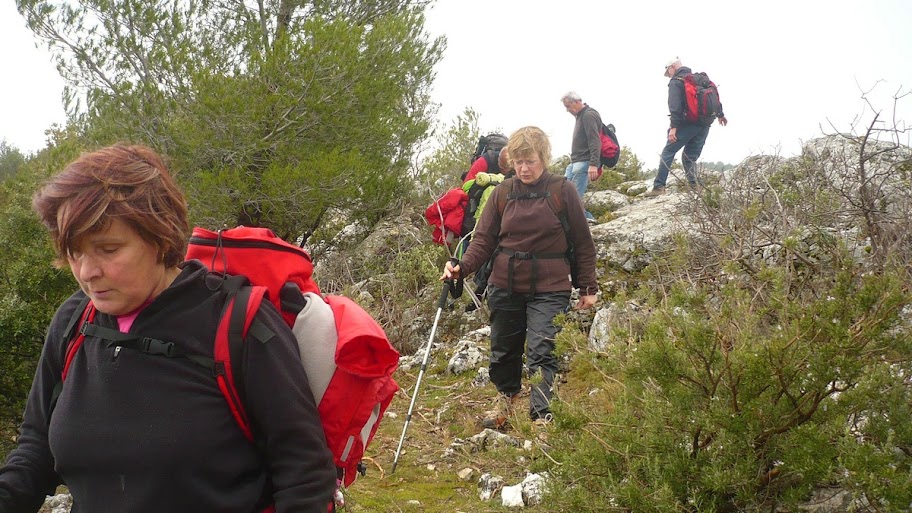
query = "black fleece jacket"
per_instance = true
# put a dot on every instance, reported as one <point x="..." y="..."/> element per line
<point x="676" y="99"/>
<point x="137" y="433"/>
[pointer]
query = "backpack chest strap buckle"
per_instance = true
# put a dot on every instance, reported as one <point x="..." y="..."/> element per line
<point x="157" y="347"/>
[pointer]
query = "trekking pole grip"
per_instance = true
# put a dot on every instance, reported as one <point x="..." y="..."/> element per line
<point x="456" y="285"/>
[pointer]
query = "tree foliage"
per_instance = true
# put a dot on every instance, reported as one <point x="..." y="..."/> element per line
<point x="31" y="287"/>
<point x="278" y="114"/>
<point x="454" y="146"/>
<point x="627" y="169"/>
<point x="717" y="167"/>
<point x="11" y="160"/>
<point x="273" y="114"/>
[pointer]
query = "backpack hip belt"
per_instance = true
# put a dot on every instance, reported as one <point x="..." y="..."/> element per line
<point x="524" y="255"/>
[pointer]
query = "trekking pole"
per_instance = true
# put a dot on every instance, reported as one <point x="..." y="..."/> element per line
<point x="460" y="246"/>
<point x="448" y="286"/>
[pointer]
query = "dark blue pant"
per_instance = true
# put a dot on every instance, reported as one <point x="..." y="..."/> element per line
<point x="524" y="323"/>
<point x="691" y="138"/>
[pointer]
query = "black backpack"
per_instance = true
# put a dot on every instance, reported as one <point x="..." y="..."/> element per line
<point x="490" y="144"/>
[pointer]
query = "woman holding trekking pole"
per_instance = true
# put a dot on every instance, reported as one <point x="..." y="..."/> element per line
<point x="132" y="419"/>
<point x="533" y="226"/>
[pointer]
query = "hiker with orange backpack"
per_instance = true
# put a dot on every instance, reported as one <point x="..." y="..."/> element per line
<point x="530" y="223"/>
<point x="693" y="105"/>
<point x="139" y="423"/>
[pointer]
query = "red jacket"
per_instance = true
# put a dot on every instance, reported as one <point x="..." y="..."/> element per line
<point x="446" y="214"/>
<point x="479" y="166"/>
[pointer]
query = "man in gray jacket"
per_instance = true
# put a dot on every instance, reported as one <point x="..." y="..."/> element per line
<point x="690" y="135"/>
<point x="586" y="147"/>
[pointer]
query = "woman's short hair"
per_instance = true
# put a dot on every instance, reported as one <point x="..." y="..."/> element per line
<point x="529" y="141"/>
<point x="126" y="182"/>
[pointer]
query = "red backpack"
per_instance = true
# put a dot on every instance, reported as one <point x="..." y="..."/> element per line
<point x="347" y="356"/>
<point x="702" y="104"/>
<point x="611" y="150"/>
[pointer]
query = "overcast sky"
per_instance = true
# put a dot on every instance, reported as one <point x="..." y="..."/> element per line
<point x="784" y="68"/>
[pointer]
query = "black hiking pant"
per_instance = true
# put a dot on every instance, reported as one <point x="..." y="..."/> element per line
<point x="524" y="323"/>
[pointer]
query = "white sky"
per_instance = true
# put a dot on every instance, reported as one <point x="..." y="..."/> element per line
<point x="783" y="68"/>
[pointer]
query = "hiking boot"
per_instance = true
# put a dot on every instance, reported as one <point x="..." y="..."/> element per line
<point x="540" y="426"/>
<point x="504" y="408"/>
<point x="543" y="421"/>
<point x="591" y="221"/>
<point x="656" y="191"/>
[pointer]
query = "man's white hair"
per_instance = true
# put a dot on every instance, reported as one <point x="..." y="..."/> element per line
<point x="572" y="96"/>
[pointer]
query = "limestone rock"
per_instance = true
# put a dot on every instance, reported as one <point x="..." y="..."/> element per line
<point x="533" y="488"/>
<point x="490" y="438"/>
<point x="465" y="474"/>
<point x="607" y="318"/>
<point x="60" y="503"/>
<point x="468" y="357"/>
<point x="488" y="486"/>
<point x="512" y="496"/>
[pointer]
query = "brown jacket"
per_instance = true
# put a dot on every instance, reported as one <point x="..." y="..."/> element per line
<point x="530" y="225"/>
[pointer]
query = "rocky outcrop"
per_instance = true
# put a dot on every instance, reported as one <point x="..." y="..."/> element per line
<point x="642" y="230"/>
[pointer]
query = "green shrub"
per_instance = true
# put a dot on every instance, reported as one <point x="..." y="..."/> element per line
<point x="741" y="404"/>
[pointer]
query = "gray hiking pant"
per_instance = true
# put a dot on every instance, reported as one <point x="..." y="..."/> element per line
<point x="524" y="323"/>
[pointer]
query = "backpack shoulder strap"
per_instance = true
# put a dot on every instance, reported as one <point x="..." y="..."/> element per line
<point x="502" y="200"/>
<point x="555" y="196"/>
<point x="73" y="338"/>
<point x="240" y="308"/>
<point x="74" y="335"/>
<point x="556" y="201"/>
